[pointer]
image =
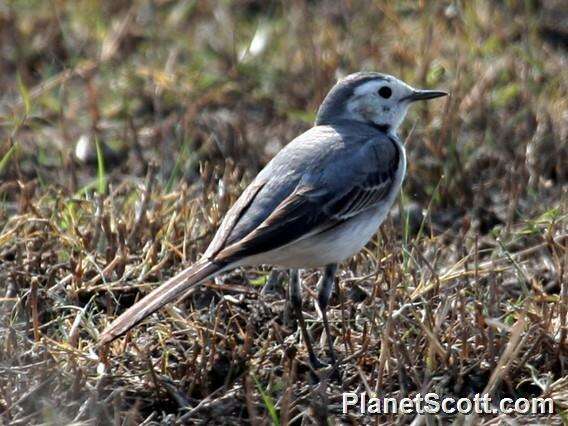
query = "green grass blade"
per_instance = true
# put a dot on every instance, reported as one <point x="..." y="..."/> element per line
<point x="268" y="403"/>
<point x="25" y="94"/>
<point x="101" y="175"/>
<point x="6" y="158"/>
<point x="176" y="172"/>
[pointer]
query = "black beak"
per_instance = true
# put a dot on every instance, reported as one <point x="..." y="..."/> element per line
<point x="423" y="95"/>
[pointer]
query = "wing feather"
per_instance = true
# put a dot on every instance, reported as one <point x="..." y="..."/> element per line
<point x="352" y="179"/>
<point x="311" y="209"/>
<point x="370" y="189"/>
<point x="232" y="217"/>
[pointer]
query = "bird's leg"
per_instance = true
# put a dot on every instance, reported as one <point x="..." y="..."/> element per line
<point x="295" y="299"/>
<point x="325" y="288"/>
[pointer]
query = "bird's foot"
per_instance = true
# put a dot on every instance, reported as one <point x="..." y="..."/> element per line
<point x="316" y="364"/>
<point x="321" y="370"/>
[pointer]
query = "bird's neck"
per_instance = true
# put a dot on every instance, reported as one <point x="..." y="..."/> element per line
<point x="385" y="128"/>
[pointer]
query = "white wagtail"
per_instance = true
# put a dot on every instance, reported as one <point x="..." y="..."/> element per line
<point x="315" y="204"/>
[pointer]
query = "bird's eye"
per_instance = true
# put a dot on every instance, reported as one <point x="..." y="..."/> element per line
<point x="385" y="92"/>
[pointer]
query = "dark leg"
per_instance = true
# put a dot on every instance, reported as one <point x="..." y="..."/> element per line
<point x="325" y="288"/>
<point x="295" y="295"/>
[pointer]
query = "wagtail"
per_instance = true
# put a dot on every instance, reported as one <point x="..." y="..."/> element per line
<point x="315" y="204"/>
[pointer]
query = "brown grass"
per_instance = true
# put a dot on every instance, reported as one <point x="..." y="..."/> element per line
<point x="465" y="289"/>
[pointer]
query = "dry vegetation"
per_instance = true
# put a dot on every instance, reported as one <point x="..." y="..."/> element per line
<point x="465" y="290"/>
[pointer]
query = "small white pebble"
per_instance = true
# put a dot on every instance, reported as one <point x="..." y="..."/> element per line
<point x="85" y="149"/>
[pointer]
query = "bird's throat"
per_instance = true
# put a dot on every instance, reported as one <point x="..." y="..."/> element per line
<point x="385" y="128"/>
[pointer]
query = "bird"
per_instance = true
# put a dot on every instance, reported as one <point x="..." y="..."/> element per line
<point x="318" y="202"/>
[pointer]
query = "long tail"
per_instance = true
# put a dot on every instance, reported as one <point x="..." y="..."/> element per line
<point x="172" y="289"/>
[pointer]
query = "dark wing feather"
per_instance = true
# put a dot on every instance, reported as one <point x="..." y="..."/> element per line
<point x="232" y="217"/>
<point x="370" y="188"/>
<point x="296" y="216"/>
<point x="311" y="209"/>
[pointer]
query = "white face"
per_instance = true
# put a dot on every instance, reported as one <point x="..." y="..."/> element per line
<point x="381" y="102"/>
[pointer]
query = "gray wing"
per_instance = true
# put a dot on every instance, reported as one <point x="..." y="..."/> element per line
<point x="318" y="181"/>
<point x="364" y="181"/>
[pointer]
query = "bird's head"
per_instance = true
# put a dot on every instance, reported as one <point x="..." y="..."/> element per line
<point x="380" y="100"/>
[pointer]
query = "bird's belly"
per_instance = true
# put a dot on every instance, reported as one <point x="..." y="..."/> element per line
<point x="332" y="246"/>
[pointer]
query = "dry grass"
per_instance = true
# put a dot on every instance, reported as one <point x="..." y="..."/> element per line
<point x="465" y="289"/>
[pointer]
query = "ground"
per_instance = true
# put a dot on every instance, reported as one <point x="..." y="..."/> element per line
<point x="127" y="129"/>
